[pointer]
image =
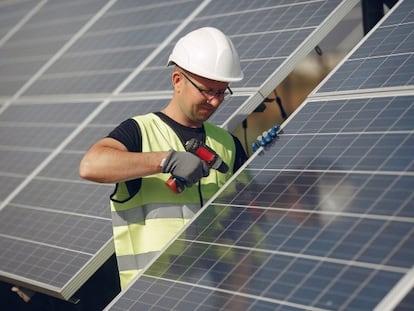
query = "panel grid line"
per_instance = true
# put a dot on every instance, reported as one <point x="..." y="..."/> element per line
<point x="55" y="57"/>
<point x="44" y="244"/>
<point x="21" y="23"/>
<point x="281" y="302"/>
<point x="310" y="257"/>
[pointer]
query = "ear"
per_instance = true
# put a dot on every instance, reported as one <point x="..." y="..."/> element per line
<point x="176" y="80"/>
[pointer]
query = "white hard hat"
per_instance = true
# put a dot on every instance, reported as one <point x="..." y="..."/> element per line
<point x="209" y="53"/>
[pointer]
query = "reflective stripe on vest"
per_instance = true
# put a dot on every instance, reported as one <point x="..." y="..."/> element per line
<point x="132" y="262"/>
<point x="152" y="211"/>
<point x="145" y="222"/>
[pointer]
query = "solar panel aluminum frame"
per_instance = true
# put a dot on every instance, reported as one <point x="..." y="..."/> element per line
<point x="397" y="294"/>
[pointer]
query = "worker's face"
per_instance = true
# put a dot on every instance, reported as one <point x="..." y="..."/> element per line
<point x="200" y="97"/>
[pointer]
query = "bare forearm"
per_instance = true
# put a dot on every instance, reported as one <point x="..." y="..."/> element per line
<point x="107" y="164"/>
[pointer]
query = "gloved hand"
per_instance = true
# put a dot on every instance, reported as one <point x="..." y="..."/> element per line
<point x="186" y="166"/>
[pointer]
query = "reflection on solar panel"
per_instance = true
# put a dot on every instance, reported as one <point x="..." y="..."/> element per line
<point x="321" y="220"/>
<point x="72" y="70"/>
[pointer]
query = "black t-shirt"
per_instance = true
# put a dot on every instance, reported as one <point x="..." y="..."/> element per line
<point x="129" y="134"/>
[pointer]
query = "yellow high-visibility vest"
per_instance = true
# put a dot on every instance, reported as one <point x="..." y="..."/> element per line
<point x="143" y="223"/>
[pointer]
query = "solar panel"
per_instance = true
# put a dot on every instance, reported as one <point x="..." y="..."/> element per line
<point x="73" y="70"/>
<point x="271" y="38"/>
<point x="325" y="218"/>
<point x="54" y="225"/>
<point x="389" y="50"/>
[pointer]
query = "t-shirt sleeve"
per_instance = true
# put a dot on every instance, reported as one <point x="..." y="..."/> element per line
<point x="129" y="134"/>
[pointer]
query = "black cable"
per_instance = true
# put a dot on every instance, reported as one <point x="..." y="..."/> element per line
<point x="244" y="124"/>
<point x="279" y="103"/>
<point x="318" y="50"/>
<point x="200" y="194"/>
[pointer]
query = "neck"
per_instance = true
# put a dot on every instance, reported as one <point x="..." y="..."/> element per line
<point x="180" y="117"/>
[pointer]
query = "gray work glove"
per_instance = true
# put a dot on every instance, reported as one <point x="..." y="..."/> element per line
<point x="186" y="166"/>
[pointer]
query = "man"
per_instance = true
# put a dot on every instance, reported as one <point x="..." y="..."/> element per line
<point x="142" y="153"/>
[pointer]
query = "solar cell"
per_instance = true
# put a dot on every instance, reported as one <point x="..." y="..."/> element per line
<point x="320" y="220"/>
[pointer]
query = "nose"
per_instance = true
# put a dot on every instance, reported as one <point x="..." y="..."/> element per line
<point x="214" y="101"/>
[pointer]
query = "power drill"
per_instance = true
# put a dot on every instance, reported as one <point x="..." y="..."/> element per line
<point x="205" y="153"/>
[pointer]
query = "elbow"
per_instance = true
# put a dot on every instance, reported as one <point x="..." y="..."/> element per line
<point x="83" y="172"/>
<point x="86" y="171"/>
